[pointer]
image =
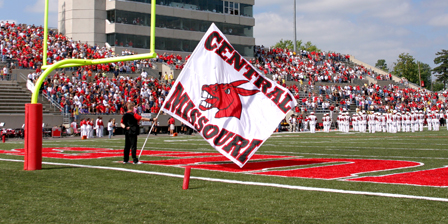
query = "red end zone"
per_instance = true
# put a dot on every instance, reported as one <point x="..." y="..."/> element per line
<point x="321" y="168"/>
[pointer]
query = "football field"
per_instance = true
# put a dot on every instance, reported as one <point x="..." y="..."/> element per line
<point x="293" y="178"/>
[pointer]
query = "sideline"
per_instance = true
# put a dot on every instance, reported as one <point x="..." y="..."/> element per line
<point x="247" y="182"/>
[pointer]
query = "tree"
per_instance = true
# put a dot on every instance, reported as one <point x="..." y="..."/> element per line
<point x="381" y="64"/>
<point x="289" y="44"/>
<point x="407" y="67"/>
<point x="310" y="47"/>
<point x="442" y="69"/>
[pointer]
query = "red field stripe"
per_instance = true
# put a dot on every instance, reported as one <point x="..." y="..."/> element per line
<point x="190" y="154"/>
<point x="436" y="178"/>
<point x="352" y="167"/>
<point x="253" y="166"/>
<point x="176" y="162"/>
<point x="192" y="161"/>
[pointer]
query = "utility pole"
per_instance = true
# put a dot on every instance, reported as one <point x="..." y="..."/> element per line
<point x="419" y="75"/>
<point x="295" y="28"/>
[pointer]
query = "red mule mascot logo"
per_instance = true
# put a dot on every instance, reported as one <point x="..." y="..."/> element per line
<point x="225" y="97"/>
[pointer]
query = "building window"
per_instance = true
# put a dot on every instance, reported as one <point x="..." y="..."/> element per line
<point x="217" y="6"/>
<point x="166" y="44"/>
<point x="246" y="10"/>
<point x="170" y="22"/>
<point x="232" y="8"/>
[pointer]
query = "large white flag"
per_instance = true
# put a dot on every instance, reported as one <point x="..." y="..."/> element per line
<point x="220" y="95"/>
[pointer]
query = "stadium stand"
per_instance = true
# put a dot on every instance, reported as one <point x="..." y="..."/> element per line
<point x="321" y="81"/>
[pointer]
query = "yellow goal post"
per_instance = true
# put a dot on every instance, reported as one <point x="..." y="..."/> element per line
<point x="82" y="62"/>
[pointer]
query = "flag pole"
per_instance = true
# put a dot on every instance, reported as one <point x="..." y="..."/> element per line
<point x="163" y="105"/>
<point x="152" y="126"/>
<point x="149" y="132"/>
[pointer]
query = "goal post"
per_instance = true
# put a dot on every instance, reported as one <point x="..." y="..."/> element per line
<point x="33" y="111"/>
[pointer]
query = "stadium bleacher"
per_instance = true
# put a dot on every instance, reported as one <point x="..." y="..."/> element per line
<point x="317" y="79"/>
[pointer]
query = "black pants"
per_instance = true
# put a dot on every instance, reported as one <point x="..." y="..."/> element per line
<point x="130" y="144"/>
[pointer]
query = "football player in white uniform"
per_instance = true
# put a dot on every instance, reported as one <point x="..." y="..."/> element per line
<point x="408" y="121"/>
<point x="429" y="120"/>
<point x="436" y="121"/>
<point x="313" y="120"/>
<point x="421" y="120"/>
<point x="363" y="122"/>
<point x="378" y="122"/>
<point x="371" y="122"/>
<point x="394" y="122"/>
<point x="326" y="122"/>
<point x="355" y="122"/>
<point x="412" y="117"/>
<point x="347" y="122"/>
<point x="399" y="120"/>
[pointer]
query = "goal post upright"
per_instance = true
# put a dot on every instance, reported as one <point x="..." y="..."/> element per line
<point x="33" y="111"/>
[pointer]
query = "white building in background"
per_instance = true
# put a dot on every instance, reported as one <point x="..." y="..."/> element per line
<point x="180" y="24"/>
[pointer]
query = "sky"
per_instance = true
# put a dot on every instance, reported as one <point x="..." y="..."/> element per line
<point x="367" y="29"/>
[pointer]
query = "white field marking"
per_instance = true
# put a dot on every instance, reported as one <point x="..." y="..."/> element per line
<point x="307" y="140"/>
<point x="365" y="156"/>
<point x="180" y="149"/>
<point x="301" y="142"/>
<point x="366" y="147"/>
<point x="388" y="148"/>
<point x="147" y="148"/>
<point x="283" y="136"/>
<point x="303" y="188"/>
<point x="332" y="140"/>
<point x="342" y="150"/>
<point x="296" y="138"/>
<point x="185" y="143"/>
<point x="292" y="146"/>
<point x="351" y="139"/>
<point x="184" y="140"/>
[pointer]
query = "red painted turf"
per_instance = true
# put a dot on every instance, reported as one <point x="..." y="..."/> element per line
<point x="350" y="167"/>
<point x="435" y="177"/>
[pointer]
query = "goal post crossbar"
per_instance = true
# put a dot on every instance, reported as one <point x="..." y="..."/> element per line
<point x="66" y="63"/>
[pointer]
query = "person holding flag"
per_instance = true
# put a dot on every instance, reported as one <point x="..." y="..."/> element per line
<point x="129" y="122"/>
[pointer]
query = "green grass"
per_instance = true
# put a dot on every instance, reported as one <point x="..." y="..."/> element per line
<point x="63" y="194"/>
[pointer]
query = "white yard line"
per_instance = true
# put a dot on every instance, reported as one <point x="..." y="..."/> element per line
<point x="303" y="188"/>
<point x="355" y="147"/>
<point x="365" y="156"/>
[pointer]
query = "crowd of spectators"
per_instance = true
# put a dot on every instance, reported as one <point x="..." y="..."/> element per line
<point x="23" y="45"/>
<point x="89" y="90"/>
<point x="309" y="67"/>
<point x="83" y="93"/>
<point x="95" y="89"/>
<point x="371" y="97"/>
